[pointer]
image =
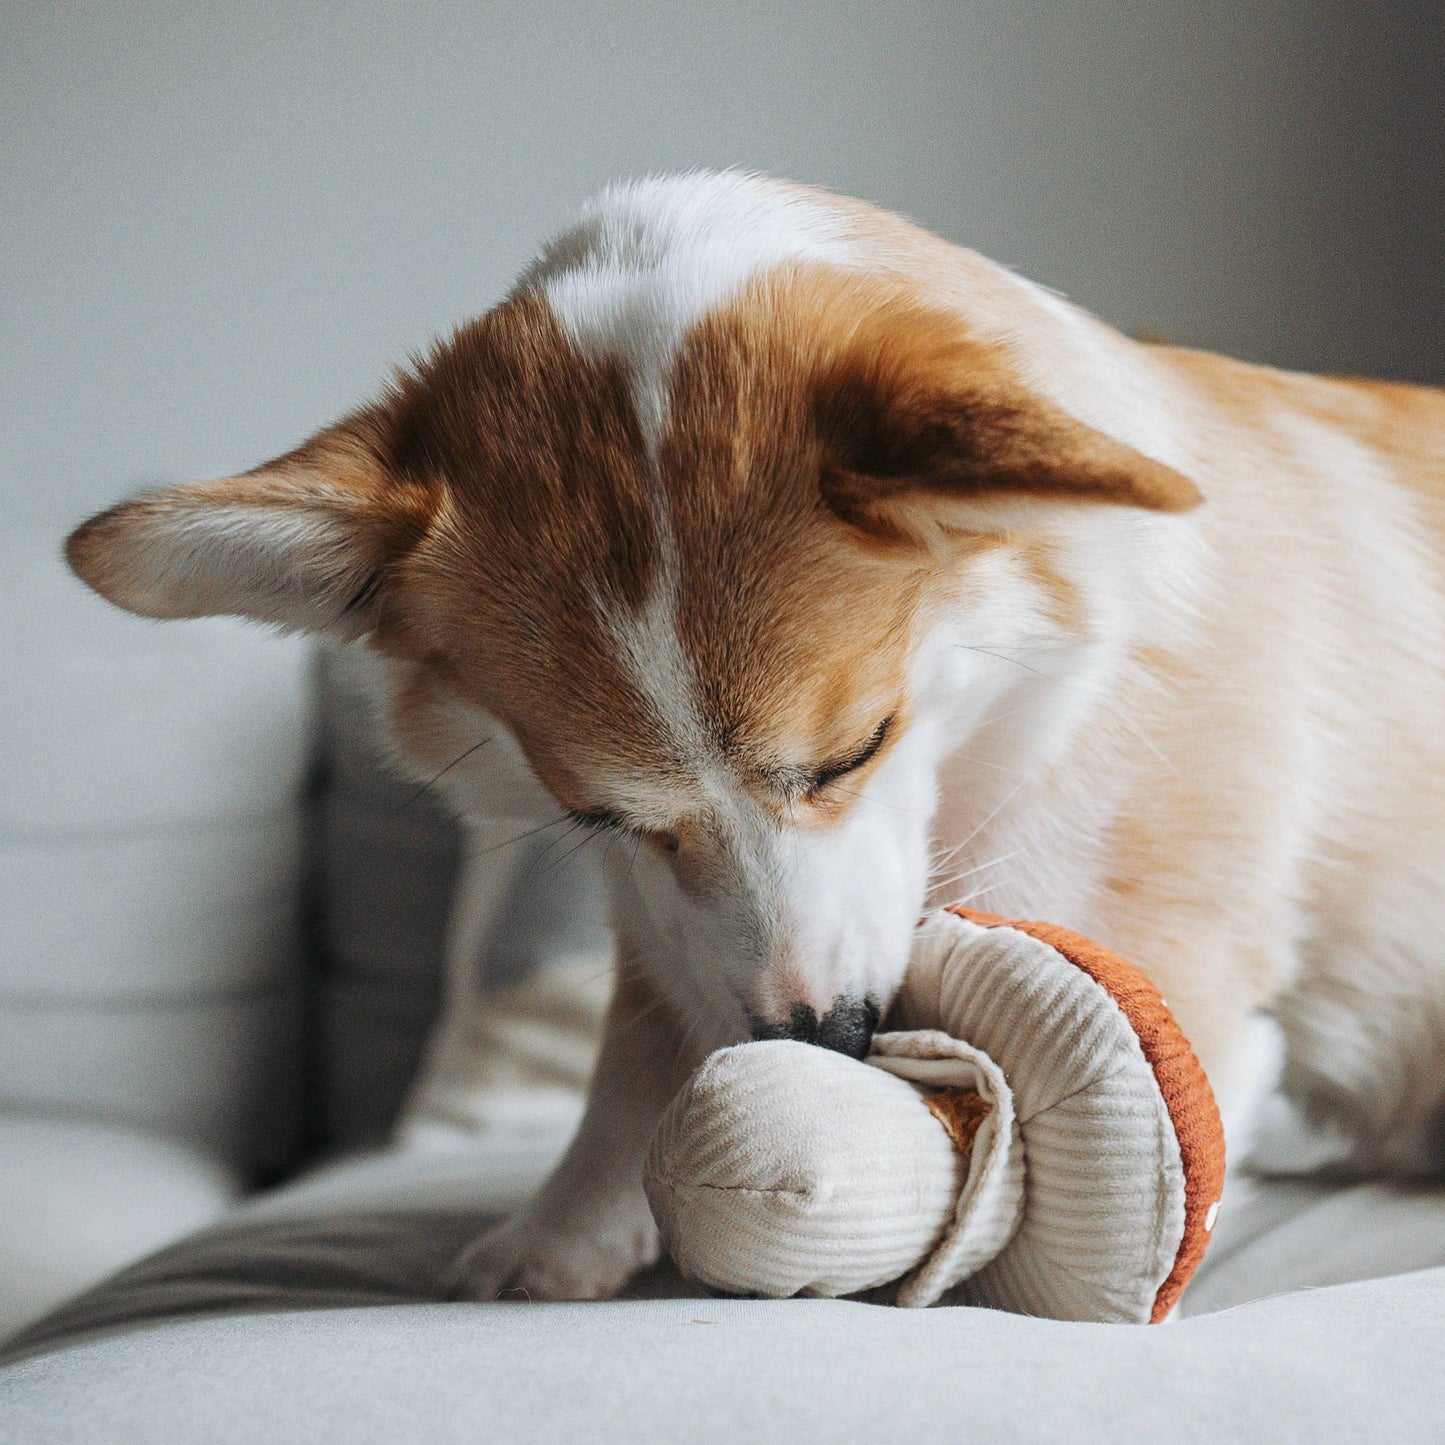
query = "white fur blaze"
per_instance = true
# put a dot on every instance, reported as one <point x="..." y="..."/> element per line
<point x="646" y="261"/>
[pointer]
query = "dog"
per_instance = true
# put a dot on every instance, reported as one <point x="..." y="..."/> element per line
<point x="830" y="572"/>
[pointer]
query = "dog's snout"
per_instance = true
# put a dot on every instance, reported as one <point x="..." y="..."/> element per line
<point x="847" y="1027"/>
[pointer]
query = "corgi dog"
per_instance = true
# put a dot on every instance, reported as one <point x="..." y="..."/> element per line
<point x="831" y="573"/>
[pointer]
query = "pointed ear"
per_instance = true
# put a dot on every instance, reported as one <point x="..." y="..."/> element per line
<point x="915" y="417"/>
<point x="303" y="542"/>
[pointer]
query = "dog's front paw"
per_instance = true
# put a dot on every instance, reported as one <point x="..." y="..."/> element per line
<point x="527" y="1258"/>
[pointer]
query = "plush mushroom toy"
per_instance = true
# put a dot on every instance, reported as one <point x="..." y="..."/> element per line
<point x="1035" y="1135"/>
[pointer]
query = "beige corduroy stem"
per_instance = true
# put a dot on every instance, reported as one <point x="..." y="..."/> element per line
<point x="782" y="1169"/>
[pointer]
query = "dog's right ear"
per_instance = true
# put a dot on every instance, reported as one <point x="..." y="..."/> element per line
<point x="304" y="542"/>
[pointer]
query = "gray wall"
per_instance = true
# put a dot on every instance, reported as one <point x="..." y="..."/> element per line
<point x="222" y="223"/>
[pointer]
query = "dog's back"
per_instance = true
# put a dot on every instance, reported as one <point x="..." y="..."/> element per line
<point x="1278" y="761"/>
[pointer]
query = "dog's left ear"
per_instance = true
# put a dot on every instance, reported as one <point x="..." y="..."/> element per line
<point x="914" y="417"/>
<point x="304" y="542"/>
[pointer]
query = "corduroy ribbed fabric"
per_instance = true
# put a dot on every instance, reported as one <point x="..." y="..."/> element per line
<point x="782" y="1169"/>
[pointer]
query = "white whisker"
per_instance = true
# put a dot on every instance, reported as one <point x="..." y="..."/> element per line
<point x="936" y="884"/>
<point x="993" y="813"/>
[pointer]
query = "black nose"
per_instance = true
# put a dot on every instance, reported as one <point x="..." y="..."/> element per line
<point x="847" y="1027"/>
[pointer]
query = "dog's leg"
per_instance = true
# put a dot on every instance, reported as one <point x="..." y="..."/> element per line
<point x="486" y="873"/>
<point x="1244" y="1077"/>
<point x="590" y="1227"/>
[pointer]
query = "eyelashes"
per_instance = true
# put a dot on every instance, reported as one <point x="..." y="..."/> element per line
<point x="820" y="778"/>
<point x="601" y="820"/>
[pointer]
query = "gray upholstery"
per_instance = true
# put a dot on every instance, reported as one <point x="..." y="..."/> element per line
<point x="1359" y="1362"/>
<point x="386" y="854"/>
<point x="79" y="1198"/>
<point x="152" y="988"/>
<point x="312" y="1314"/>
<point x="149" y="850"/>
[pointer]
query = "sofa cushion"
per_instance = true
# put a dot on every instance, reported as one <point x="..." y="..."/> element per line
<point x="1344" y="1364"/>
<point x="311" y="1314"/>
<point x="80" y="1199"/>
<point x="150" y="831"/>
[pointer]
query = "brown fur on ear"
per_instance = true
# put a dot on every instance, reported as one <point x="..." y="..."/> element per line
<point x="303" y="541"/>
<point x="912" y="408"/>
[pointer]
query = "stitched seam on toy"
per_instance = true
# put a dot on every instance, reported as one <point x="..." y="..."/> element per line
<point x="741" y="1189"/>
<point x="1083" y="1088"/>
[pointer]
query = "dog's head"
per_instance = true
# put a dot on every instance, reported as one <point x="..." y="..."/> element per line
<point x="719" y="525"/>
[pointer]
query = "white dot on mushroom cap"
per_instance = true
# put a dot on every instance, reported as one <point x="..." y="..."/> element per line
<point x="1211" y="1214"/>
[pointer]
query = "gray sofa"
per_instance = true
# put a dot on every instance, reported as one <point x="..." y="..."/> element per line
<point x="222" y="929"/>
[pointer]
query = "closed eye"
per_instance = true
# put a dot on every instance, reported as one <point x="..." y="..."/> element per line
<point x="820" y="778"/>
<point x="601" y="820"/>
<point x="606" y="820"/>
